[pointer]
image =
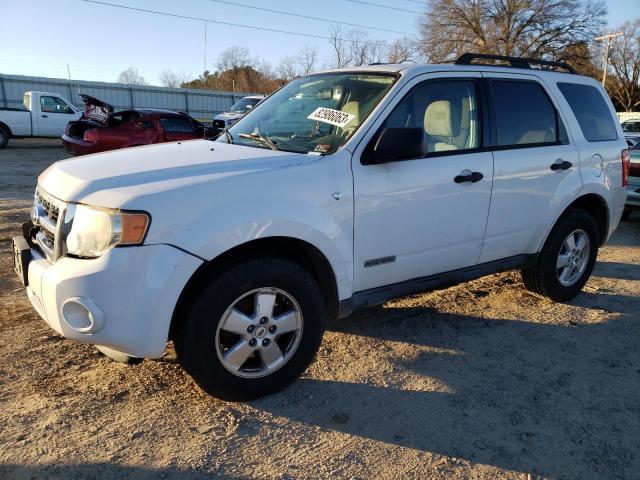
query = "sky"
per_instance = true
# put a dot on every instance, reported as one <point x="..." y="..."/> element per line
<point x="42" y="37"/>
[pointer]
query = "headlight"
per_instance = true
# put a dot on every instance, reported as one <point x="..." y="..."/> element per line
<point x="96" y="230"/>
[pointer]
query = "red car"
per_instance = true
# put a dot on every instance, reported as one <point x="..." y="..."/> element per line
<point x="99" y="129"/>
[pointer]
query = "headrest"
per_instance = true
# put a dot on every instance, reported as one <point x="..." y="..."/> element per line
<point x="439" y="121"/>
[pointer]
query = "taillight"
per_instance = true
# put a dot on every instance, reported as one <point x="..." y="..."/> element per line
<point x="90" y="136"/>
<point x="626" y="166"/>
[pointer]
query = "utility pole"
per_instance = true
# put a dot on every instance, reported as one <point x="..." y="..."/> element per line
<point x="205" y="48"/>
<point x="606" y="55"/>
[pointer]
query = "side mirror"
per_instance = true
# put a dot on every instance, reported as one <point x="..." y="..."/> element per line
<point x="395" y="144"/>
<point x="248" y="107"/>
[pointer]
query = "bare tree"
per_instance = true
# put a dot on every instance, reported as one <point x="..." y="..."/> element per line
<point x="341" y="56"/>
<point x="288" y="68"/>
<point x="404" y="50"/>
<point x="307" y="59"/>
<point x="236" y="57"/>
<point x="172" y="79"/>
<point x="540" y="28"/>
<point x="625" y="61"/>
<point x="355" y="48"/>
<point x="131" y="76"/>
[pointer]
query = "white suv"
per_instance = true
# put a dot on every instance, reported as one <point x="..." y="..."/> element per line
<point x="343" y="189"/>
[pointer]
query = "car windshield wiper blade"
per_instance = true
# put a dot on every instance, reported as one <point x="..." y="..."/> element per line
<point x="228" y="135"/>
<point x="260" y="138"/>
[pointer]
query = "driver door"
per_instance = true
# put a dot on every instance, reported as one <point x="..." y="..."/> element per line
<point x="412" y="217"/>
<point x="54" y="116"/>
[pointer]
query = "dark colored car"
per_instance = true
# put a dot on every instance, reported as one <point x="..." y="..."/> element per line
<point x="100" y="129"/>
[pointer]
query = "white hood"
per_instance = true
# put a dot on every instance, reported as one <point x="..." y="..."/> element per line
<point x="113" y="178"/>
<point x="228" y="116"/>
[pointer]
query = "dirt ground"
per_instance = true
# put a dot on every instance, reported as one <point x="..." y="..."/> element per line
<point x="477" y="381"/>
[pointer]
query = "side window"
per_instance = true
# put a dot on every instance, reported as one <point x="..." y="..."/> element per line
<point x="176" y="125"/>
<point x="524" y="115"/>
<point x="54" y="105"/>
<point x="143" y="125"/>
<point x="446" y="110"/>
<point x="591" y="111"/>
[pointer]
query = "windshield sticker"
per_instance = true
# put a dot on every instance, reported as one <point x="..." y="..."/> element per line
<point x="331" y="116"/>
<point x="322" y="148"/>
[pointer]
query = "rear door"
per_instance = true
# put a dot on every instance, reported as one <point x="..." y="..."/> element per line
<point x="415" y="217"/>
<point x="53" y="116"/>
<point x="536" y="165"/>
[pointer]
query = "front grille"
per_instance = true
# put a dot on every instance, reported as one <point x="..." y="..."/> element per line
<point x="48" y="216"/>
<point x="50" y="208"/>
<point x="218" y="124"/>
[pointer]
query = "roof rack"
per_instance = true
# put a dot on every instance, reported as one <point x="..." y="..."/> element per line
<point x="514" y="62"/>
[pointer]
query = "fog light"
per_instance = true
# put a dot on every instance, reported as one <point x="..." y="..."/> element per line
<point x="82" y="315"/>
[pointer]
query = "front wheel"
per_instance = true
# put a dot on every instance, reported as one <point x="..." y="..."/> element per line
<point x="626" y="213"/>
<point x="566" y="259"/>
<point x="253" y="329"/>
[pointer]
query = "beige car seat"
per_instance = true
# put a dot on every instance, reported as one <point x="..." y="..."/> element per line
<point x="353" y="108"/>
<point x="440" y="124"/>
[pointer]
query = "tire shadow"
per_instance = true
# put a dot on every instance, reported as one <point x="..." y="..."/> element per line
<point x="562" y="401"/>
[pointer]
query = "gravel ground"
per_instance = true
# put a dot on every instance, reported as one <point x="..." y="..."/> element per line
<point x="477" y="381"/>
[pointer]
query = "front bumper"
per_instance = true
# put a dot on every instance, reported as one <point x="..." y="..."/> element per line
<point x="123" y="300"/>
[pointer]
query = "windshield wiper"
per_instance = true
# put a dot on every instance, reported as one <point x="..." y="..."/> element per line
<point x="261" y="139"/>
<point x="228" y="135"/>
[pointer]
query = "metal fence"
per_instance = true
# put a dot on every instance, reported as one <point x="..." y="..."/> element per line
<point x="200" y="104"/>
<point x="622" y="116"/>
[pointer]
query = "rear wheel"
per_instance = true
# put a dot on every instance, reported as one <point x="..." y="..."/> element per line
<point x="4" y="137"/>
<point x="253" y="329"/>
<point x="567" y="258"/>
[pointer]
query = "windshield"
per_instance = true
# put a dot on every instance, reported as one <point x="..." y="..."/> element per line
<point x="317" y="113"/>
<point x="631" y="126"/>
<point x="242" y="105"/>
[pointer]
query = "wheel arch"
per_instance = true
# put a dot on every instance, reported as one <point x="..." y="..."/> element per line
<point x="302" y="252"/>
<point x="6" y="127"/>
<point x="596" y="206"/>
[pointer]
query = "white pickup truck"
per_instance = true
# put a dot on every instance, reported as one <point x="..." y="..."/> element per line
<point x="44" y="115"/>
<point x="341" y="190"/>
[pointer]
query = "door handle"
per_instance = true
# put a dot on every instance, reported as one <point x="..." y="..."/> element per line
<point x="45" y="116"/>
<point x="560" y="164"/>
<point x="468" y="176"/>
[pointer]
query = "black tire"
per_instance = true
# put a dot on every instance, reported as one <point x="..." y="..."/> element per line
<point x="542" y="278"/>
<point x="4" y="137"/>
<point x="625" y="215"/>
<point x="196" y="334"/>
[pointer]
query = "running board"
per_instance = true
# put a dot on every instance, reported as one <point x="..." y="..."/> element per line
<point x="380" y="295"/>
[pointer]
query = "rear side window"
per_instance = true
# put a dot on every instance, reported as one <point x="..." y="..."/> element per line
<point x="591" y="111"/>
<point x="524" y="115"/>
<point x="176" y="125"/>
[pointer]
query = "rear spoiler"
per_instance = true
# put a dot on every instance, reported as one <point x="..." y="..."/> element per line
<point x="96" y="110"/>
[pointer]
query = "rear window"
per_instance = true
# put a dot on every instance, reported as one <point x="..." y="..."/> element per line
<point x="524" y="114"/>
<point x="591" y="111"/>
<point x="176" y="125"/>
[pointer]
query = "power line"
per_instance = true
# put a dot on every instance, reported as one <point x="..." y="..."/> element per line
<point x="385" y="6"/>
<point x="219" y="22"/>
<point x="299" y="15"/>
